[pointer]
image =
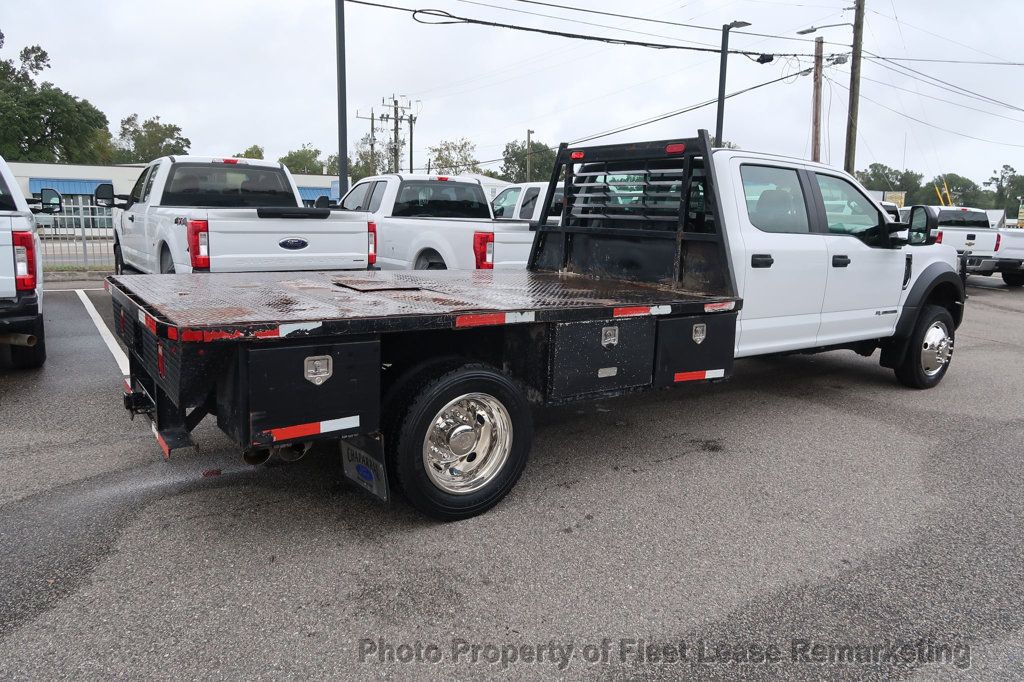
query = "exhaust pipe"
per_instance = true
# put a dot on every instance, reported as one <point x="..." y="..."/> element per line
<point x="293" y="452"/>
<point x="256" y="456"/>
<point x="26" y="340"/>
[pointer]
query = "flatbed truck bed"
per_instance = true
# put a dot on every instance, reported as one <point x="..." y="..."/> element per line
<point x="427" y="379"/>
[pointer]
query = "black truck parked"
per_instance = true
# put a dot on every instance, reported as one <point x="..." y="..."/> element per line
<point x="427" y="378"/>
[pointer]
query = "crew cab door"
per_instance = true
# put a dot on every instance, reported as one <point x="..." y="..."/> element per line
<point x="133" y="224"/>
<point x="865" y="275"/>
<point x="782" y="267"/>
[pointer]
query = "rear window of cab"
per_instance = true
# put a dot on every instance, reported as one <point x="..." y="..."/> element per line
<point x="441" y="199"/>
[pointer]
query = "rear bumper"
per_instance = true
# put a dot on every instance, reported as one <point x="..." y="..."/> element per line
<point x="19" y="314"/>
<point x="1009" y="265"/>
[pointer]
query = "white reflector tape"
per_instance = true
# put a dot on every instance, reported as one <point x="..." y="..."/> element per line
<point x="661" y="309"/>
<point x="714" y="374"/>
<point x="513" y="318"/>
<point x="339" y="424"/>
<point x="286" y="329"/>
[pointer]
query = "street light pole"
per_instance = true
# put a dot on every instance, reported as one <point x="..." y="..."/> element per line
<point x="721" y="77"/>
<point x="529" y="154"/>
<point x="339" y="21"/>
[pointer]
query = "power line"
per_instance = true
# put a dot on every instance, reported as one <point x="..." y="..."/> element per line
<point x="931" y="125"/>
<point x="437" y="17"/>
<point x="938" y="82"/>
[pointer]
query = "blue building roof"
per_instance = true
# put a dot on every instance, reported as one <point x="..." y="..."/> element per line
<point x="64" y="185"/>
<point x="314" y="193"/>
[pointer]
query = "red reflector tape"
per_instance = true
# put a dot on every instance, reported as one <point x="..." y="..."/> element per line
<point x="161" y="442"/>
<point x="632" y="311"/>
<point x="489" y="319"/>
<point x="699" y="375"/>
<point x="719" y="307"/>
<point x="172" y="333"/>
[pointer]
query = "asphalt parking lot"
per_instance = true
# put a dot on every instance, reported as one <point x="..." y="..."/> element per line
<point x="809" y="499"/>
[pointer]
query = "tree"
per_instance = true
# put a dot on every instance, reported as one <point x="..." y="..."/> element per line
<point x="253" y="152"/>
<point x="454" y="157"/>
<point x="964" y="191"/>
<point x="878" y="176"/>
<point x="363" y="164"/>
<point x="1002" y="183"/>
<point x="305" y="160"/>
<point x="151" y="139"/>
<point x="513" y="165"/>
<point x="42" y="122"/>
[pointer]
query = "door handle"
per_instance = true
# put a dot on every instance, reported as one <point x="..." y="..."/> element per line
<point x="840" y="261"/>
<point x="131" y="218"/>
<point x="972" y="237"/>
<point x="761" y="260"/>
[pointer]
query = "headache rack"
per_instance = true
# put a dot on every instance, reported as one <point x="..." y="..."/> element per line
<point x="645" y="211"/>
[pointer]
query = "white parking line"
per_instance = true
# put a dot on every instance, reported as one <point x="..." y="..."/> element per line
<point x="119" y="357"/>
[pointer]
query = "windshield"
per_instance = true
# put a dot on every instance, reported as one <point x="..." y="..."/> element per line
<point x="441" y="199"/>
<point x="957" y="218"/>
<point x="227" y="186"/>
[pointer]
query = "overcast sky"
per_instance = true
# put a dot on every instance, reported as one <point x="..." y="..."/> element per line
<point x="233" y="73"/>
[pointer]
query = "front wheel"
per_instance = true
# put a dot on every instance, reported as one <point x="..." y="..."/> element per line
<point x="462" y="442"/>
<point x="1014" y="279"/>
<point x="930" y="350"/>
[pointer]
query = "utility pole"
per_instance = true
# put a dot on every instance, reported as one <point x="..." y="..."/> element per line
<point x="373" y="138"/>
<point x="398" y="146"/>
<point x="412" y="121"/>
<point x="339" y="22"/>
<point x="529" y="154"/>
<point x="851" y="124"/>
<point x="819" y="46"/>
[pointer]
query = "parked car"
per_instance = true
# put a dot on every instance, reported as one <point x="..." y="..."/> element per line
<point x="1010" y="256"/>
<point x="21" y="271"/>
<point x="437" y="222"/>
<point x="426" y="380"/>
<point x="524" y="202"/>
<point x="202" y="214"/>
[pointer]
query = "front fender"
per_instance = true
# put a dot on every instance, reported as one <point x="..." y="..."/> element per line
<point x="928" y="283"/>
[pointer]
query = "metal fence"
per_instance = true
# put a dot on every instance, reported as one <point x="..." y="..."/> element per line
<point x="81" y="237"/>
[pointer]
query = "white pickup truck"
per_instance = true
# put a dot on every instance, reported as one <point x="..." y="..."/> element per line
<point x="437" y="222"/>
<point x="986" y="250"/>
<point x="202" y="214"/>
<point x="21" y="271"/>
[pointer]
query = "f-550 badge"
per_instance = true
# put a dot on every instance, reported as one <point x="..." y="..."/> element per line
<point x="700" y="332"/>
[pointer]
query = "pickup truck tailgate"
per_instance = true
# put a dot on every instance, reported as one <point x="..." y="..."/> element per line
<point x="241" y="241"/>
<point x="1011" y="244"/>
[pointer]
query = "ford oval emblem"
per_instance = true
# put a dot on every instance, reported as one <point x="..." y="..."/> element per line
<point x="293" y="243"/>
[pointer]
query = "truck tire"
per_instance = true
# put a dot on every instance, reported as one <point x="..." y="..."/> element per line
<point x="166" y="262"/>
<point x="930" y="349"/>
<point x="34" y="357"/>
<point x="118" y="259"/>
<point x="1014" y="279"/>
<point x="462" y="442"/>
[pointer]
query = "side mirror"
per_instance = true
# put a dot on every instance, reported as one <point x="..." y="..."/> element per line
<point x="922" y="226"/>
<point x="322" y="201"/>
<point x="104" y="195"/>
<point x="499" y="211"/>
<point x="50" y="201"/>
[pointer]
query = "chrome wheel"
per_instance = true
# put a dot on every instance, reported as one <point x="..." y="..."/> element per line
<point x="468" y="443"/>
<point x="936" y="348"/>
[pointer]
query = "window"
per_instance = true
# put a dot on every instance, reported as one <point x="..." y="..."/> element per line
<point x="557" y="203"/>
<point x="356" y="198"/>
<point x="846" y="209"/>
<point x="529" y="203"/>
<point x="962" y="217"/>
<point x="149" y="183"/>
<point x="136" y="193"/>
<point x="6" y="198"/>
<point x="505" y="202"/>
<point x="775" y="201"/>
<point x="441" y="199"/>
<point x="227" y="186"/>
<point x="377" y="195"/>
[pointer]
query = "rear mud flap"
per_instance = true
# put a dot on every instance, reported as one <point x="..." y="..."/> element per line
<point x="362" y="458"/>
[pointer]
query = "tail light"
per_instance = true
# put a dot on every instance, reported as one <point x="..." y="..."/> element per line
<point x="24" y="261"/>
<point x="576" y="156"/>
<point x="483" y="250"/>
<point x="199" y="244"/>
<point x="675" y="148"/>
<point x="999" y="240"/>
<point x="938" y="237"/>
<point x="371" y="243"/>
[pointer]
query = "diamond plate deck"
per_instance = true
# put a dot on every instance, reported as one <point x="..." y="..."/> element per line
<point x="239" y="299"/>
